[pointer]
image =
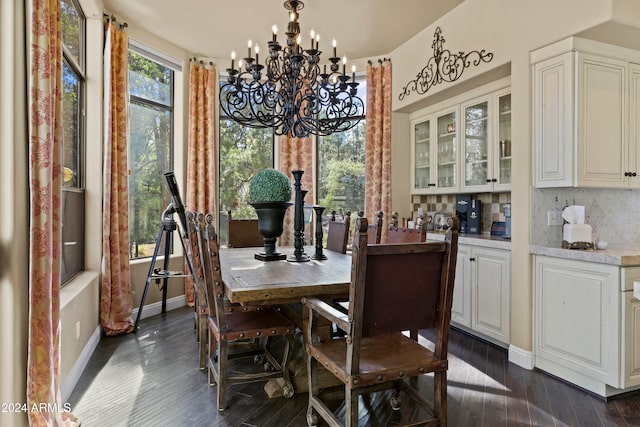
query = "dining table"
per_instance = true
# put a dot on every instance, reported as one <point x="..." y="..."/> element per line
<point x="250" y="282"/>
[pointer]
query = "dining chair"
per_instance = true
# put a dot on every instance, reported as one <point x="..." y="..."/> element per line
<point x="243" y="233"/>
<point x="375" y="230"/>
<point x="394" y="287"/>
<point x="338" y="233"/>
<point x="406" y="235"/>
<point x="226" y="325"/>
<point x="201" y="307"/>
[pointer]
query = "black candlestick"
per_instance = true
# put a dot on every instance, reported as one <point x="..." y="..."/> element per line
<point x="318" y="212"/>
<point x="298" y="220"/>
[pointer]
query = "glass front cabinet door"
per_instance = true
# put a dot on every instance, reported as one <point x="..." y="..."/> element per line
<point x="503" y="138"/>
<point x="477" y="164"/>
<point x="446" y="152"/>
<point x="486" y="143"/>
<point x="422" y="179"/>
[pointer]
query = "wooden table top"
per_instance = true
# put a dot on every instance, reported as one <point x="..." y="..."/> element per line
<point x="252" y="282"/>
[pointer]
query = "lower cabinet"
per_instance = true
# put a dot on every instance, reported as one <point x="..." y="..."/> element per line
<point x="587" y="323"/>
<point x="481" y="301"/>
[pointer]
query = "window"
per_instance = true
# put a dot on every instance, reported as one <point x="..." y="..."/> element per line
<point x="150" y="147"/>
<point x="243" y="152"/>
<point x="341" y="158"/>
<point x="72" y="22"/>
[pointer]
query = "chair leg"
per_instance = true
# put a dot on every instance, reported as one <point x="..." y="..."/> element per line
<point x="213" y="359"/>
<point x="440" y="396"/>
<point x="202" y="340"/>
<point x="288" y="391"/>
<point x="351" y="407"/>
<point x="223" y="355"/>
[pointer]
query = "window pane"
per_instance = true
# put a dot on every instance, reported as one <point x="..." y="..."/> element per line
<point x="149" y="159"/>
<point x="71" y="24"/>
<point x="341" y="170"/>
<point x="70" y="126"/>
<point x="149" y="80"/>
<point x="243" y="152"/>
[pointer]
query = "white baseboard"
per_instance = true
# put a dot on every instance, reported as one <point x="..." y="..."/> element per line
<point x="81" y="363"/>
<point x="156" y="307"/>
<point x="520" y="357"/>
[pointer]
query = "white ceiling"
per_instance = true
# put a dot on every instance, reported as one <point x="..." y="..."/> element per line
<point x="363" y="29"/>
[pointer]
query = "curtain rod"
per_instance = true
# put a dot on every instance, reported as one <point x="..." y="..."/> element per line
<point x="380" y="61"/>
<point x="113" y="19"/>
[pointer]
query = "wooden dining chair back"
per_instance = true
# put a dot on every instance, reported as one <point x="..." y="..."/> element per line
<point x="338" y="233"/>
<point x="227" y="325"/>
<point x="406" y="235"/>
<point x="201" y="303"/>
<point x="243" y="233"/>
<point x="374" y="231"/>
<point x="395" y="287"/>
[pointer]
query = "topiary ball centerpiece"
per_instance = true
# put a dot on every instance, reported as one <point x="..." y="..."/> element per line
<point x="269" y="185"/>
<point x="269" y="194"/>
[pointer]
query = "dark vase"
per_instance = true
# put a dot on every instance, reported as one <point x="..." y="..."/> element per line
<point x="271" y="226"/>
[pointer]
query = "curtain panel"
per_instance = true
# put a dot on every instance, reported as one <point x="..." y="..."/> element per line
<point x="202" y="154"/>
<point x="378" y="143"/>
<point x="45" y="176"/>
<point x="115" y="296"/>
<point x="296" y="154"/>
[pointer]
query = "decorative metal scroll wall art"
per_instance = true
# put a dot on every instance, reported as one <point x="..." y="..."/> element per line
<point x="443" y="66"/>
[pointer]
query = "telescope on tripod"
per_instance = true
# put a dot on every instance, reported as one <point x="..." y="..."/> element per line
<point x="168" y="226"/>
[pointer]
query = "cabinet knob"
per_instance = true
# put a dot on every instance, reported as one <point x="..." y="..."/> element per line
<point x="626" y="174"/>
<point x="634" y="174"/>
<point x="472" y="259"/>
<point x="494" y="180"/>
<point x="488" y="180"/>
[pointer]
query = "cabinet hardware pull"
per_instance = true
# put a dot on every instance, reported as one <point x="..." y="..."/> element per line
<point x="494" y="180"/>
<point x="633" y="174"/>
<point x="488" y="180"/>
<point x="626" y="174"/>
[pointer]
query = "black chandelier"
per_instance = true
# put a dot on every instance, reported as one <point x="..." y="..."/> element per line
<point x="294" y="97"/>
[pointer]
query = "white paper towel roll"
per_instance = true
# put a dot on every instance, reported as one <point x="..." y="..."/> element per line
<point x="574" y="214"/>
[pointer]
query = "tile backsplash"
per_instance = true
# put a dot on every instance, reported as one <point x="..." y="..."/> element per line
<point x="612" y="213"/>
<point x="492" y="206"/>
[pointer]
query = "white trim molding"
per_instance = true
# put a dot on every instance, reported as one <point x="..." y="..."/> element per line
<point x="520" y="357"/>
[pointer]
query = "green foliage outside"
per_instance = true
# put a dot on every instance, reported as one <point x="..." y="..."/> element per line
<point x="341" y="170"/>
<point x="149" y="151"/>
<point x="243" y="152"/>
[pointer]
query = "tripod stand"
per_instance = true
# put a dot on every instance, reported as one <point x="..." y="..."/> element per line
<point x="169" y="225"/>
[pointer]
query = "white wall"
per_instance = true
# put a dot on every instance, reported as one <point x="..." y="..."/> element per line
<point x="13" y="215"/>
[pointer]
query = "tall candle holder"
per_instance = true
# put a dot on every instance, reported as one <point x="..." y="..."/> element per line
<point x="319" y="235"/>
<point x="298" y="220"/>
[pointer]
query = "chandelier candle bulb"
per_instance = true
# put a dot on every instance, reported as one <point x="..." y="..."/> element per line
<point x="344" y="65"/>
<point x="313" y="36"/>
<point x="233" y="58"/>
<point x="353" y="73"/>
<point x="249" y="49"/>
<point x="274" y="29"/>
<point x="335" y="55"/>
<point x="257" y="53"/>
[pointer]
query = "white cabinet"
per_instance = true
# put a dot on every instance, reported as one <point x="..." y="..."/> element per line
<point x="481" y="300"/>
<point x="486" y="143"/>
<point x="462" y="145"/>
<point x="602" y="122"/>
<point x="585" y="120"/>
<point x="587" y="323"/>
<point x="434" y="152"/>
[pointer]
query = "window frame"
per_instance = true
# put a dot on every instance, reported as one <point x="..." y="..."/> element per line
<point x="157" y="57"/>
<point x="78" y="69"/>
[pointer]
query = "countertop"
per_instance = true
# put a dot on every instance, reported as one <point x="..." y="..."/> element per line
<point x="621" y="254"/>
<point x="483" y="240"/>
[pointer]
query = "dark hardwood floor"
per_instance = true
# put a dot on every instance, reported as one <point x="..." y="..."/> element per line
<point x="152" y="379"/>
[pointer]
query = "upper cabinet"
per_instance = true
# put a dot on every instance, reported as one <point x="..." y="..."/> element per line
<point x="586" y="108"/>
<point x="464" y="146"/>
